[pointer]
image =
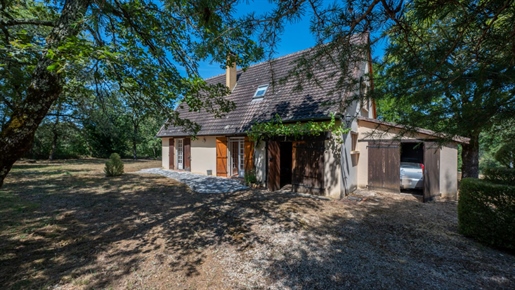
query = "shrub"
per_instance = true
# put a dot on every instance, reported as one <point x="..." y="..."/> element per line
<point x="250" y="177"/>
<point x="114" y="166"/>
<point x="500" y="175"/>
<point x="486" y="212"/>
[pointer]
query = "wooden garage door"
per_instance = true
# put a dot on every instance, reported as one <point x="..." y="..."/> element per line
<point x="274" y="165"/>
<point x="308" y="170"/>
<point x="384" y="166"/>
<point x="431" y="170"/>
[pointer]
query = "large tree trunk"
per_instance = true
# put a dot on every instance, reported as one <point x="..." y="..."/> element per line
<point x="470" y="158"/>
<point x="18" y="133"/>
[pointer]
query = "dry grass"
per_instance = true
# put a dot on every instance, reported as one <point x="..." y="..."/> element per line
<point x="63" y="225"/>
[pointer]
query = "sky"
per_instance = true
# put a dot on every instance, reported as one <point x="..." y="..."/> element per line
<point x="296" y="37"/>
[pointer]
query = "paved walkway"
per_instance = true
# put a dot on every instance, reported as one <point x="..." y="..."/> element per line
<point x="200" y="183"/>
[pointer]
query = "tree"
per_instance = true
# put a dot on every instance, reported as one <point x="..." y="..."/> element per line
<point x="153" y="46"/>
<point x="450" y="67"/>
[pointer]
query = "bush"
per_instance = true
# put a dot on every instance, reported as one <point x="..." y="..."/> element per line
<point x="500" y="175"/>
<point x="486" y="212"/>
<point x="114" y="166"/>
<point x="250" y="177"/>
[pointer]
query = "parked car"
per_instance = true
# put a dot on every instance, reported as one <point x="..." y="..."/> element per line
<point x="412" y="175"/>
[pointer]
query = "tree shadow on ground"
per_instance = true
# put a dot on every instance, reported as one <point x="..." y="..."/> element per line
<point x="387" y="246"/>
<point x="88" y="231"/>
<point x="57" y="230"/>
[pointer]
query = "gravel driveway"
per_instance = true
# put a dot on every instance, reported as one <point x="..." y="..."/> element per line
<point x="200" y="183"/>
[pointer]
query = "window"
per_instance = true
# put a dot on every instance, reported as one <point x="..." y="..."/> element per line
<point x="260" y="92"/>
<point x="354" y="144"/>
<point x="237" y="153"/>
<point x="180" y="154"/>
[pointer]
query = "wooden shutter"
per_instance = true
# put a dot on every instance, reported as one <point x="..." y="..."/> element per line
<point x="308" y="163"/>
<point x="431" y="170"/>
<point x="274" y="165"/>
<point x="384" y="166"/>
<point x="187" y="154"/>
<point x="248" y="158"/>
<point x="171" y="152"/>
<point x="221" y="156"/>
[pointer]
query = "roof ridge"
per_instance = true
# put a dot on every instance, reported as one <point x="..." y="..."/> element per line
<point x="353" y="38"/>
<point x="263" y="62"/>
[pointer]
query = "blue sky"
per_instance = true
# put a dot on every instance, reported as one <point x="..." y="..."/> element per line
<point x="295" y="37"/>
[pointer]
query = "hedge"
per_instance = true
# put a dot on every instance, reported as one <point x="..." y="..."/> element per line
<point x="486" y="212"/>
<point x="500" y="175"/>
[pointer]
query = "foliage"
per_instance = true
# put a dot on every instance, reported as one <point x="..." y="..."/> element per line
<point x="250" y="177"/>
<point x="486" y="212"/>
<point x="276" y="127"/>
<point x="501" y="134"/>
<point x="71" y="143"/>
<point x="146" y="51"/>
<point x="500" y="175"/>
<point x="449" y="68"/>
<point x="114" y="166"/>
<point x="506" y="155"/>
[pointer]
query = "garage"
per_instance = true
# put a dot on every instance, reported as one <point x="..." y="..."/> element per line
<point x="298" y="163"/>
<point x="390" y="160"/>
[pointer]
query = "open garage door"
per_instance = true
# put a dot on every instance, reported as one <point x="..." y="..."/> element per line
<point x="431" y="170"/>
<point x="384" y="165"/>
<point x="274" y="165"/>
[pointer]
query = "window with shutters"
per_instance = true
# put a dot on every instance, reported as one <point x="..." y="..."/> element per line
<point x="180" y="154"/>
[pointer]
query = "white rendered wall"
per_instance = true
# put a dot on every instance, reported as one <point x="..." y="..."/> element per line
<point x="260" y="161"/>
<point x="165" y="157"/>
<point x="332" y="169"/>
<point x="203" y="155"/>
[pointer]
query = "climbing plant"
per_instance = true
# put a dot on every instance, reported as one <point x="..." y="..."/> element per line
<point x="276" y="127"/>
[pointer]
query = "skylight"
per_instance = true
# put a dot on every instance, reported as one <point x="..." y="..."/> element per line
<point x="260" y="92"/>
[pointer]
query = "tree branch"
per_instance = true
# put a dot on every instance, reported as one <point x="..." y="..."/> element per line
<point x="38" y="22"/>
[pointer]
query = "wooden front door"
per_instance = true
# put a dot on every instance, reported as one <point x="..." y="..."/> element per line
<point x="308" y="166"/>
<point x="249" y="155"/>
<point x="187" y="154"/>
<point x="171" y="153"/>
<point x="274" y="165"/>
<point x="221" y="156"/>
<point x="431" y="170"/>
<point x="384" y="166"/>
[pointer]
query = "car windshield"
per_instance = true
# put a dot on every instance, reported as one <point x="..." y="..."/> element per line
<point x="410" y="165"/>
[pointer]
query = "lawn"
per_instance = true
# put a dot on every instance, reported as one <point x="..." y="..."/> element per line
<point x="63" y="225"/>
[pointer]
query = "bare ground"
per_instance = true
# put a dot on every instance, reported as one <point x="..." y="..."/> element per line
<point x="63" y="225"/>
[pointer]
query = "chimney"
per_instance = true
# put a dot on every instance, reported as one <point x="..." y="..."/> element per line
<point x="230" y="74"/>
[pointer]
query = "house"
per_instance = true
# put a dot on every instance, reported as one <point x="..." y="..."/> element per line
<point x="314" y="164"/>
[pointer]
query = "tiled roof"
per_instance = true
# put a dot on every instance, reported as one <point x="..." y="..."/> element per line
<point x="314" y="101"/>
<point x="408" y="130"/>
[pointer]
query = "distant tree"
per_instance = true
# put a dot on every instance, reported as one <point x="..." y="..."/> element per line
<point x="152" y="45"/>
<point x="506" y="155"/>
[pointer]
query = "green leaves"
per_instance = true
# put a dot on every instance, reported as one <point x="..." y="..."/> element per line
<point x="276" y="128"/>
